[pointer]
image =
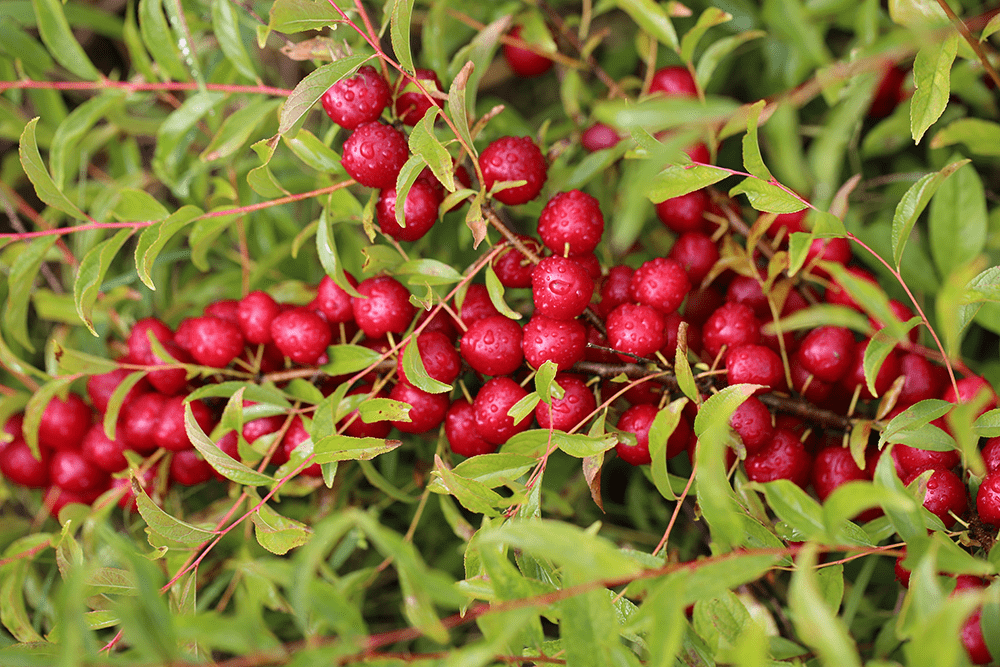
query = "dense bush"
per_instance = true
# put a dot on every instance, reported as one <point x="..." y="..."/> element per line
<point x="681" y="348"/>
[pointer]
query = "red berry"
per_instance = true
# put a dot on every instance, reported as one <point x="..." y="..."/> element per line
<point x="973" y="640"/>
<point x="561" y="288"/>
<point x="833" y="467"/>
<point x="214" y="342"/>
<point x="524" y="62"/>
<point x="138" y="422"/>
<point x="100" y="388"/>
<point x="333" y="301"/>
<point x="660" y="283"/>
<point x="427" y="411"/>
<point x="637" y="420"/>
<point x="922" y="381"/>
<point x="492" y="345"/>
<point x="785" y="457"/>
<point x="571" y="223"/>
<point x="744" y="289"/>
<point x="827" y="352"/>
<point x="811" y="387"/>
<point x="419" y="213"/>
<point x="139" y="347"/>
<point x="701" y="303"/>
<point x="837" y="295"/>
<point x="224" y="309"/>
<point x="697" y="253"/>
<point x="491" y="406"/>
<point x="72" y="471"/>
<point x="513" y="268"/>
<point x="170" y="432"/>
<point x="255" y="312"/>
<point x="104" y="452"/>
<point x="599" y="136"/>
<point x="438" y="354"/>
<point x="786" y="223"/>
<point x="514" y="159"/>
<point x="383" y="307"/>
<point x="968" y="389"/>
<point x="411" y="104"/>
<point x="752" y="422"/>
<point x="460" y="429"/>
<point x="731" y="325"/>
<point x="295" y="436"/>
<point x="614" y="288"/>
<point x="64" y="423"/>
<point x="301" y="335"/>
<point x="914" y="461"/>
<point x="946" y="495"/>
<point x="673" y="82"/>
<point x="576" y="404"/>
<point x="855" y="376"/>
<point x="188" y="468"/>
<point x="684" y="213"/>
<point x="987" y="498"/>
<point x="374" y="154"/>
<point x="358" y="99"/>
<point x="19" y="466"/>
<point x="356" y="428"/>
<point x="991" y="455"/>
<point x="636" y="329"/>
<point x="560" y="341"/>
<point x="902" y="314"/>
<point x="755" y="364"/>
<point x="172" y="378"/>
<point x="828" y="250"/>
<point x="477" y="304"/>
<point x="889" y="93"/>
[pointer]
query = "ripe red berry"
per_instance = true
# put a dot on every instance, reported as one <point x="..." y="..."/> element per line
<point x="946" y="495"/>
<point x="576" y="404"/>
<point x="637" y="420"/>
<point x="889" y="93"/>
<point x="214" y="342"/>
<point x="833" y="467"/>
<point x="438" y="354"/>
<point x="744" y="289"/>
<point x="987" y="499"/>
<point x="614" y="289"/>
<point x="357" y="99"/>
<point x="460" y="429"/>
<point x="827" y="352"/>
<point x="19" y="465"/>
<point x="828" y="250"/>
<point x="72" y="471"/>
<point x="561" y="288"/>
<point x="785" y="457"/>
<point x="138" y="422"/>
<point x="673" y="323"/>
<point x="696" y="253"/>
<point x="514" y="159"/>
<point x="492" y="345"/>
<point x="512" y="267"/>
<point x="295" y="436"/>
<point x="636" y="329"/>
<point x="599" y="136"/>
<point x="64" y="423"/>
<point x="701" y="303"/>
<point x="255" y="312"/>
<point x="100" y="387"/>
<point x="411" y="104"/>
<point x="171" y="378"/>
<point x="811" y="387"/>
<point x="571" y="223"/>
<point x="170" y="432"/>
<point x="560" y="341"/>
<point x="837" y="295"/>
<point x="902" y="314"/>
<point x="224" y="309"/>
<point x="383" y="307"/>
<point x="334" y="302"/>
<point x="684" y="213"/>
<point x="104" y="452"/>
<point x="731" y="325"/>
<point x="752" y="422"/>
<point x="991" y="455"/>
<point x="524" y="62"/>
<point x="968" y="389"/>
<point x="301" y="335"/>
<point x="673" y="81"/>
<point x="374" y="154"/>
<point x="786" y="223"/>
<point x="427" y="411"/>
<point x="419" y="213"/>
<point x="755" y="364"/>
<point x="914" y="461"/>
<point x="922" y="381"/>
<point x="855" y="376"/>
<point x="356" y="428"/>
<point x="188" y="468"/>
<point x="973" y="640"/>
<point x="477" y="304"/>
<point x="139" y="347"/>
<point x="494" y="400"/>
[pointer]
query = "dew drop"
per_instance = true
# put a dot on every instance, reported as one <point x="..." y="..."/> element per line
<point x="489" y="338"/>
<point x="560" y="287"/>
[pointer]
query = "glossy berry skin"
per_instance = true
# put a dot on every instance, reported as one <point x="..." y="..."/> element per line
<point x="973" y="640"/>
<point x="599" y="136"/>
<point x="139" y="420"/>
<point x="513" y="268"/>
<point x="295" y="436"/>
<point x="571" y="224"/>
<point x="428" y="410"/>
<point x="100" y="387"/>
<point x="460" y="429"/>
<point x="987" y="498"/>
<point x="358" y="99"/>
<point x="64" y="423"/>
<point x="827" y="352"/>
<point x="855" y="376"/>
<point x="755" y="364"/>
<point x="637" y="420"/>
<point x="214" y="342"/>
<point x="684" y="213"/>
<point x="701" y="303"/>
<point x="495" y="398"/>
<point x="514" y="159"/>
<point x="752" y="422"/>
<point x="673" y="82"/>
<point x="693" y="336"/>
<point x="636" y="329"/>
<point x="787" y="223"/>
<point x="188" y="468"/>
<point x="837" y="295"/>
<point x="172" y="379"/>
<point x="255" y="312"/>
<point x="419" y="213"/>
<point x="576" y="404"/>
<point x="614" y="289"/>
<point x="812" y="388"/>
<point x="561" y="288"/>
<point x="383" y="307"/>
<point x="438" y="354"/>
<point x="374" y="154"/>
<point x="744" y="289"/>
<point x="356" y="428"/>
<point x="991" y="454"/>
<point x="102" y="451"/>
<point x="785" y="457"/>
<point x="224" y="309"/>
<point x="170" y="432"/>
<point x="562" y="342"/>
<point x="945" y="495"/>
<point x="492" y="345"/>
<point x="731" y="325"/>
<point x="525" y="63"/>
<point x="660" y="283"/>
<point x="333" y="301"/>
<point x="968" y="389"/>
<point x="697" y="253"/>
<point x="139" y="347"/>
<point x="922" y="380"/>
<point x="477" y="304"/>
<point x="888" y="95"/>
<point x="833" y="467"/>
<point x="411" y="104"/>
<point x="914" y="461"/>
<point x="301" y="335"/>
<point x="828" y="250"/>
<point x="19" y="466"/>
<point x="72" y="471"/>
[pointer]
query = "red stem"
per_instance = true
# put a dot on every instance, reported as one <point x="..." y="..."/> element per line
<point x="107" y="84"/>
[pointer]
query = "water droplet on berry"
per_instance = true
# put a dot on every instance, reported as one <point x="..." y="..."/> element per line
<point x="367" y="150"/>
<point x="560" y="287"/>
<point x="489" y="338"/>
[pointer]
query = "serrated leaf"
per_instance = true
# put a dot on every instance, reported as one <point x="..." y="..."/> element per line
<point x="678" y="180"/>
<point x="20" y="286"/>
<point x="312" y="87"/>
<point x="912" y="205"/>
<point x="226" y="28"/>
<point x="156" y="236"/>
<point x="932" y="78"/>
<point x="276" y="533"/>
<point x="752" y="159"/>
<point x="34" y="169"/>
<point x="166" y="525"/>
<point x="424" y="142"/>
<point x="653" y="19"/>
<point x="767" y="197"/>
<point x="291" y="16"/>
<point x="223" y="463"/>
<point x="54" y="29"/>
<point x="399" y="32"/>
<point x="90" y="275"/>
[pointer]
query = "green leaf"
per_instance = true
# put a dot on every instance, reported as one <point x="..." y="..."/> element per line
<point x="957" y="221"/>
<point x="663" y="426"/>
<point x="346" y="359"/>
<point x="20" y="285"/>
<point x="495" y="469"/>
<point x="74" y="128"/>
<point x="166" y="525"/>
<point x="399" y="32"/>
<point x="384" y="409"/>
<point x="980" y="137"/>
<point x="312" y="87"/>
<point x="876" y="352"/>
<point x="174" y="136"/>
<point x="473" y="495"/>
<point x="416" y="373"/>
<point x="90" y="275"/>
<point x="581" y="446"/>
<point x="291" y="16"/>
<point x="155" y="237"/>
<point x="987" y="425"/>
<point x="718" y="50"/>
<point x="326" y="246"/>
<point x="752" y="159"/>
<point x="659" y="113"/>
<point x="138" y="206"/>
<point x="34" y="168"/>
<point x="424" y="142"/>
<point x="651" y="17"/>
<point x="117" y="399"/>
<point x="345" y="448"/>
<point x="678" y="180"/>
<point x="932" y="78"/>
<point x="816" y="622"/>
<point x="709" y="18"/>
<point x="223" y="463"/>
<point x="316" y="155"/>
<point x="767" y="197"/>
<point x="237" y="129"/>
<point x="796" y="508"/>
<point x="990" y="28"/>
<point x="682" y="368"/>
<point x="276" y="533"/>
<point x="822" y="314"/>
<point x="56" y="34"/>
<point x="158" y="37"/>
<point x="226" y="28"/>
<point x="496" y="291"/>
<point x="458" y="104"/>
<point x="912" y="205"/>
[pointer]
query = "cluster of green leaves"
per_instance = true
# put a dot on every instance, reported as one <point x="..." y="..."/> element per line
<point x="195" y="167"/>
